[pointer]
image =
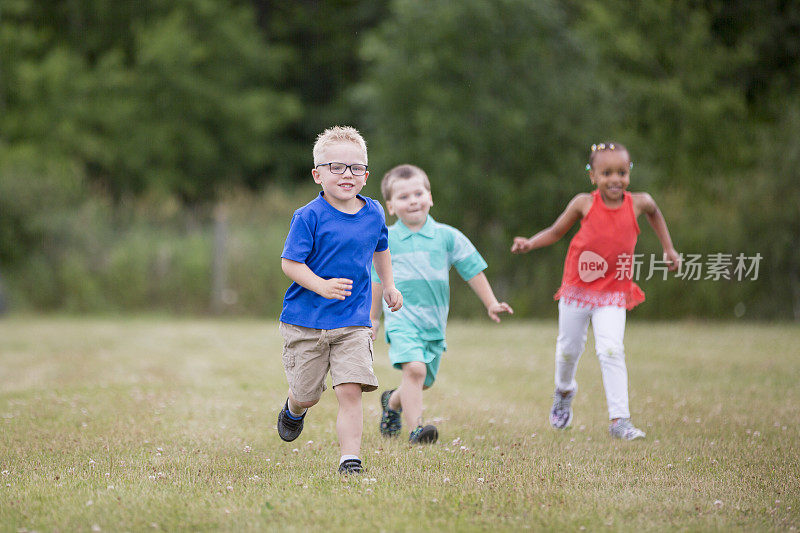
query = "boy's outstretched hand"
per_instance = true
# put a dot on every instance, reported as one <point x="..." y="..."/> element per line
<point x="393" y="297"/>
<point x="500" y="307"/>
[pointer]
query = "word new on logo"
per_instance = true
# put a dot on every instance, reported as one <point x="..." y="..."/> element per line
<point x="591" y="266"/>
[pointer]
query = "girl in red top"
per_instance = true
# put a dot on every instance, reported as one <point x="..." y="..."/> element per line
<point x="598" y="281"/>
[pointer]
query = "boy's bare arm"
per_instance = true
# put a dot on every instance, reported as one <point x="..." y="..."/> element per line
<point x="333" y="289"/>
<point x="481" y="286"/>
<point x="644" y="203"/>
<point x="376" y="308"/>
<point x="574" y="211"/>
<point x="383" y="266"/>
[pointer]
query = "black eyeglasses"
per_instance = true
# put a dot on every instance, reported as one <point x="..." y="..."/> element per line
<point x="356" y="169"/>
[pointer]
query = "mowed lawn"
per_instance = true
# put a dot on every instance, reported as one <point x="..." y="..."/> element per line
<point x="148" y="424"/>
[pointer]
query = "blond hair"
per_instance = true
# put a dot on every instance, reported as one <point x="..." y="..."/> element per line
<point x="402" y="172"/>
<point x="335" y="135"/>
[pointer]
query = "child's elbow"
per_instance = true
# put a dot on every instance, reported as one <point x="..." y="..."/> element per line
<point x="286" y="265"/>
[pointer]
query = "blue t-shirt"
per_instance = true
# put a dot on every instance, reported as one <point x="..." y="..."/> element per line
<point x="334" y="245"/>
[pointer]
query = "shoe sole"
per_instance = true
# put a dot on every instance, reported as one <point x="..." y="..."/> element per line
<point x="428" y="435"/>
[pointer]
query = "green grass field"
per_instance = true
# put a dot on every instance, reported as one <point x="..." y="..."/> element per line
<point x="147" y="424"/>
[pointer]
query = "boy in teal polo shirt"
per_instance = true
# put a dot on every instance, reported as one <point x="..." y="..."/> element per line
<point x="422" y="252"/>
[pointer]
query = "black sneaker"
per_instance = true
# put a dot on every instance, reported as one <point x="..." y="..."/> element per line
<point x="351" y="466"/>
<point x="289" y="428"/>
<point x="391" y="420"/>
<point x="424" y="435"/>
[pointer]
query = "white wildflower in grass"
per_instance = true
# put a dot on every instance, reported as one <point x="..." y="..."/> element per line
<point x="718" y="504"/>
<point x="107" y="474"/>
<point x="247" y="449"/>
<point x="5" y="473"/>
<point x="230" y="488"/>
<point x="295" y="450"/>
<point x="110" y="487"/>
<point x="309" y="443"/>
<point x="446" y="480"/>
<point x="161" y="475"/>
<point x="151" y="477"/>
<point x="96" y="527"/>
<point x="91" y="463"/>
<point x="463" y="448"/>
<point x="480" y="480"/>
<point x="533" y="435"/>
<point x="456" y="441"/>
<point x="90" y="502"/>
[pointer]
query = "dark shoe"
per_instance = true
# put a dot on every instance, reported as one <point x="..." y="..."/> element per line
<point x="351" y="466"/>
<point x="424" y="435"/>
<point x="289" y="428"/>
<point x="391" y="420"/>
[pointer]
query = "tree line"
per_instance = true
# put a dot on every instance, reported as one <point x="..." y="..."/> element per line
<point x="180" y="102"/>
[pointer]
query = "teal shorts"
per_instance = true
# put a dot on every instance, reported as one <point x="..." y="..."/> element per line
<point x="405" y="347"/>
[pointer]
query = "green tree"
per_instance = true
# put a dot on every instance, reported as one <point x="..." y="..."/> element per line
<point x="180" y="102"/>
<point x="676" y="105"/>
<point x="496" y="101"/>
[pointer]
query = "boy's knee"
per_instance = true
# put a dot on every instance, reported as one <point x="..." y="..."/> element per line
<point x="306" y="405"/>
<point x="415" y="370"/>
<point x="348" y="391"/>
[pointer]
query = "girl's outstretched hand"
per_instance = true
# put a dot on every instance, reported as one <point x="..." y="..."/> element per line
<point x="496" y="309"/>
<point x="520" y="245"/>
<point x="673" y="258"/>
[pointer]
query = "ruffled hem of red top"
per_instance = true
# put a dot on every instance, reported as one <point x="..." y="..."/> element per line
<point x="585" y="297"/>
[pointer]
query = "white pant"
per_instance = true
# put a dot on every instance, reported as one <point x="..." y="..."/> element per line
<point x="608" y="324"/>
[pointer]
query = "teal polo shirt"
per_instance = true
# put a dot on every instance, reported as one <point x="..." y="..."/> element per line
<point x="421" y="263"/>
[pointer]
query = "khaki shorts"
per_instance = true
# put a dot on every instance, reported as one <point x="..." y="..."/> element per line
<point x="309" y="353"/>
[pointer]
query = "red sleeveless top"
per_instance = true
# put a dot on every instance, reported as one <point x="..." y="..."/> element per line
<point x="599" y="265"/>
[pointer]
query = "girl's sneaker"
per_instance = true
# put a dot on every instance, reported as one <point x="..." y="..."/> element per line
<point x="424" y="435"/>
<point x="561" y="412"/>
<point x="391" y="420"/>
<point x="624" y="429"/>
